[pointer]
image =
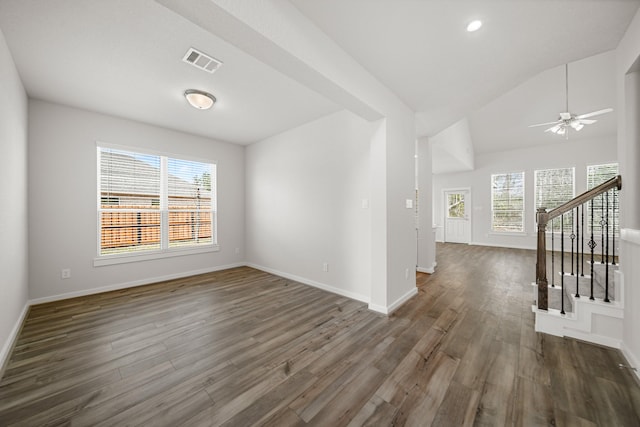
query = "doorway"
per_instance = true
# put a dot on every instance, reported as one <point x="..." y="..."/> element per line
<point x="457" y="216"/>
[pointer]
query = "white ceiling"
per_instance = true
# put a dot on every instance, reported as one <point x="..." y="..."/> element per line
<point x="123" y="57"/>
<point x="502" y="124"/>
<point x="421" y="50"/>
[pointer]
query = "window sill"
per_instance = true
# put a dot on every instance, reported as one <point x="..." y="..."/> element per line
<point x="507" y="233"/>
<point x="123" y="259"/>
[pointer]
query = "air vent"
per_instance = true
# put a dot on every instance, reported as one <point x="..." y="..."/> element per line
<point x="201" y="60"/>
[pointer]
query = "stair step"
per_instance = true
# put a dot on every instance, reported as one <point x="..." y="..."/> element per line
<point x="612" y="264"/>
<point x="582" y="276"/>
<point x="584" y="289"/>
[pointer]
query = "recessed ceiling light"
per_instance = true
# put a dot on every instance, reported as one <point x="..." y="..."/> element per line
<point x="199" y="99"/>
<point x="474" y="25"/>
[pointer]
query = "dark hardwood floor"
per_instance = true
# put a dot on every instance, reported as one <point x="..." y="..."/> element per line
<point x="242" y="347"/>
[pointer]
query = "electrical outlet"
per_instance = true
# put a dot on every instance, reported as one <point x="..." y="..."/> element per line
<point x="237" y="251"/>
<point x="65" y="273"/>
<point x="406" y="274"/>
<point x="325" y="267"/>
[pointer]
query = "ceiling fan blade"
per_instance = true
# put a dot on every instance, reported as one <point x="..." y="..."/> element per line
<point x="546" y="124"/>
<point x="587" y="121"/>
<point x="594" y="113"/>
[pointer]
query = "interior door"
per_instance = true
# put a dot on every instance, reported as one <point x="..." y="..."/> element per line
<point x="457" y="222"/>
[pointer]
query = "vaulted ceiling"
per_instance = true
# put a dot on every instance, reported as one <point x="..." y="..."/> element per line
<point x="422" y="51"/>
<point x="124" y="58"/>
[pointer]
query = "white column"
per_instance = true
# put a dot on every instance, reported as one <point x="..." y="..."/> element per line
<point x="426" y="233"/>
<point x="630" y="158"/>
<point x="378" y="206"/>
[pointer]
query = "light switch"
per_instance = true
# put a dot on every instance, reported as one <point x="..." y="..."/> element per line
<point x="365" y="203"/>
<point x="409" y="203"/>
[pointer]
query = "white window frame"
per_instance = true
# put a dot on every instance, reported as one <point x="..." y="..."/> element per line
<point x="165" y="251"/>
<point x="522" y="231"/>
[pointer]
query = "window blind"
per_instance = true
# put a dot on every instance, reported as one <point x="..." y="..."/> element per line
<point x="554" y="187"/>
<point x="596" y="175"/>
<point x="507" y="202"/>
<point x="190" y="202"/>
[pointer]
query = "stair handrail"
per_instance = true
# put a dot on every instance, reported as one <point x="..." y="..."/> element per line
<point x="543" y="217"/>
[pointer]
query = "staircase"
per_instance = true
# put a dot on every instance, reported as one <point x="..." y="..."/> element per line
<point x="583" y="296"/>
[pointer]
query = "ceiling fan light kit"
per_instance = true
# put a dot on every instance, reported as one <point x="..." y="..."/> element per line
<point x="567" y="120"/>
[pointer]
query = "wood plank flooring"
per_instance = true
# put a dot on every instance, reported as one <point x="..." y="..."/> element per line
<point x="242" y="347"/>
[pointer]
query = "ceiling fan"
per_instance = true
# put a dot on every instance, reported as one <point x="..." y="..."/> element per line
<point x="567" y="120"/>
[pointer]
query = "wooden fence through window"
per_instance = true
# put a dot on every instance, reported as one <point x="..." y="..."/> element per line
<point x="125" y="229"/>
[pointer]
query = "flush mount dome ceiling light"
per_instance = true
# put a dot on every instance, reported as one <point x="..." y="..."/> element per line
<point x="199" y="99"/>
<point x="474" y="25"/>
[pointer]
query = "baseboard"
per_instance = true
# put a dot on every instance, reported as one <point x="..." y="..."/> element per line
<point x="378" y="308"/>
<point x="594" y="338"/>
<point x="428" y="270"/>
<point x="632" y="360"/>
<point x="7" y="348"/>
<point x="394" y="306"/>
<point x="500" y="245"/>
<point x="304" y="280"/>
<point x="132" y="284"/>
<point x="404" y="298"/>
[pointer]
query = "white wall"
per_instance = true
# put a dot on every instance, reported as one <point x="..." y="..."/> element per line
<point x="13" y="196"/>
<point x="304" y="201"/>
<point x="426" y="237"/>
<point x="564" y="153"/>
<point x="62" y="200"/>
<point x="280" y="35"/>
<point x="454" y="148"/>
<point x="628" y="56"/>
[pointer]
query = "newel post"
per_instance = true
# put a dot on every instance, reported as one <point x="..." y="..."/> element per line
<point x="541" y="264"/>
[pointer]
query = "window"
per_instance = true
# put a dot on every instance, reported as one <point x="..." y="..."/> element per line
<point x="153" y="204"/>
<point x="596" y="175"/>
<point x="455" y="205"/>
<point x="554" y="187"/>
<point x="507" y="202"/>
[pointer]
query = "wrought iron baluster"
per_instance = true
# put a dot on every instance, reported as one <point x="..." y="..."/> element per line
<point x="613" y="220"/>
<point x="562" y="264"/>
<point x="572" y="236"/>
<point x="582" y="243"/>
<point x="553" y="256"/>
<point x="606" y="268"/>
<point x="577" y="236"/>
<point x="592" y="244"/>
<point x="602" y="222"/>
